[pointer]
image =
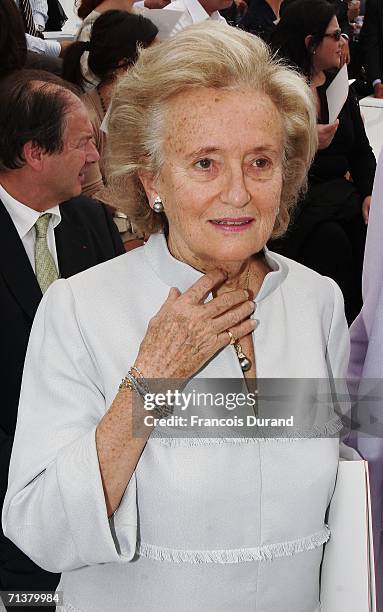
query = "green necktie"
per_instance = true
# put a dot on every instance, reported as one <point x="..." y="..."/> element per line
<point x="46" y="271"/>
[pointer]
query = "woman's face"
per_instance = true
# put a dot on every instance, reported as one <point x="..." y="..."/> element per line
<point x="222" y="177"/>
<point x="328" y="53"/>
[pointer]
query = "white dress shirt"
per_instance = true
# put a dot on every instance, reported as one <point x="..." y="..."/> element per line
<point x="39" y="11"/>
<point x="47" y="47"/>
<point x="24" y="219"/>
<point x="193" y="12"/>
<point x="39" y="45"/>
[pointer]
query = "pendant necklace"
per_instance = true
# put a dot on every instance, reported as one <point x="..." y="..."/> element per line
<point x="244" y="360"/>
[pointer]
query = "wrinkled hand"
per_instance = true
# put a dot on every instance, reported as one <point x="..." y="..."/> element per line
<point x="326" y="133"/>
<point x="378" y="90"/>
<point x="366" y="208"/>
<point x="186" y="333"/>
<point x="345" y="54"/>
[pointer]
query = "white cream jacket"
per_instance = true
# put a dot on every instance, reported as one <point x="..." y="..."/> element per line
<point x="215" y="524"/>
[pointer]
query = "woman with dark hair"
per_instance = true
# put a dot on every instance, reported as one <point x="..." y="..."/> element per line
<point x="89" y="6"/>
<point x="328" y="232"/>
<point x="89" y="11"/>
<point x="342" y="15"/>
<point x="113" y="47"/>
<point x="13" y="46"/>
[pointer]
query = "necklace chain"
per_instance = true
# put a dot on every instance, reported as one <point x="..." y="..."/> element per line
<point x="244" y="360"/>
<point x="103" y="106"/>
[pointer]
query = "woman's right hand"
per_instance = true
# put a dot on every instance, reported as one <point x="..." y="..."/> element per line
<point x="186" y="332"/>
<point x="326" y="133"/>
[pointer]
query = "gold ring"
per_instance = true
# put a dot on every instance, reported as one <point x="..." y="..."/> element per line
<point x="232" y="339"/>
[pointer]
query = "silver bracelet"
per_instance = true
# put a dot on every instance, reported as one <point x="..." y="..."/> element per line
<point x="141" y="387"/>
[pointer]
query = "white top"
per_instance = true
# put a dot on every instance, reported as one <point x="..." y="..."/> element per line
<point x="212" y="524"/>
<point x="40" y="16"/>
<point x="24" y="219"/>
<point x="83" y="35"/>
<point x="52" y="48"/>
<point x="193" y="12"/>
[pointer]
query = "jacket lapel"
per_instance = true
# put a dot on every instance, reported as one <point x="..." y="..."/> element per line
<point x="16" y="268"/>
<point x="72" y="244"/>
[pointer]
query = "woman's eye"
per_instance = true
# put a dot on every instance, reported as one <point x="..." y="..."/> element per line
<point x="204" y="164"/>
<point x="261" y="163"/>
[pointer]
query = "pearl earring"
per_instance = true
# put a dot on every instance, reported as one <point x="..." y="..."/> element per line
<point x="158" y="207"/>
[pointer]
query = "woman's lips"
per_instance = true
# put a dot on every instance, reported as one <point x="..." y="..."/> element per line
<point x="230" y="224"/>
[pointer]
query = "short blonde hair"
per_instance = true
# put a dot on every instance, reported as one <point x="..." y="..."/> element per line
<point x="209" y="55"/>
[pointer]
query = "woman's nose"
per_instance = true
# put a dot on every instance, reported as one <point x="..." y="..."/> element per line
<point x="234" y="191"/>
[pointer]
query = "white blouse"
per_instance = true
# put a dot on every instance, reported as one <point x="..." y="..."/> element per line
<point x="206" y="523"/>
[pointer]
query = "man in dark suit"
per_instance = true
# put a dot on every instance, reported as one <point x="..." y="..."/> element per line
<point x="45" y="146"/>
<point x="261" y="17"/>
<point x="371" y="43"/>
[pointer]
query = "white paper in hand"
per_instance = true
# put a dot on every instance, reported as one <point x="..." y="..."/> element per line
<point x="337" y="94"/>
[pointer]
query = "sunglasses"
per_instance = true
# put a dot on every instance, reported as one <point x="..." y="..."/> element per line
<point x="336" y="35"/>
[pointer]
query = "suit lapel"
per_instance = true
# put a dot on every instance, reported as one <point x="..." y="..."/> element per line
<point x="15" y="266"/>
<point x="72" y="244"/>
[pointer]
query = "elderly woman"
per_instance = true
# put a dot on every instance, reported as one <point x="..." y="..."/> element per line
<point x="139" y="521"/>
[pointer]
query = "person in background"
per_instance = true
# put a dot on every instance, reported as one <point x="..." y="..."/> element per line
<point x="90" y="10"/>
<point x="353" y="11"/>
<point x="34" y="23"/>
<point x="13" y="44"/>
<point x="134" y="519"/>
<point x="113" y="47"/>
<point x="365" y="371"/>
<point x="39" y="12"/>
<point x="341" y="11"/>
<point x="46" y="232"/>
<point x="197" y="11"/>
<point x="56" y="16"/>
<point x="235" y="12"/>
<point x="329" y="228"/>
<point x="371" y="43"/>
<point x="261" y="17"/>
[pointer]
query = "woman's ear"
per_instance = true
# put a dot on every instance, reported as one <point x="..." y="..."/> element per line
<point x="309" y="43"/>
<point x="148" y="181"/>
